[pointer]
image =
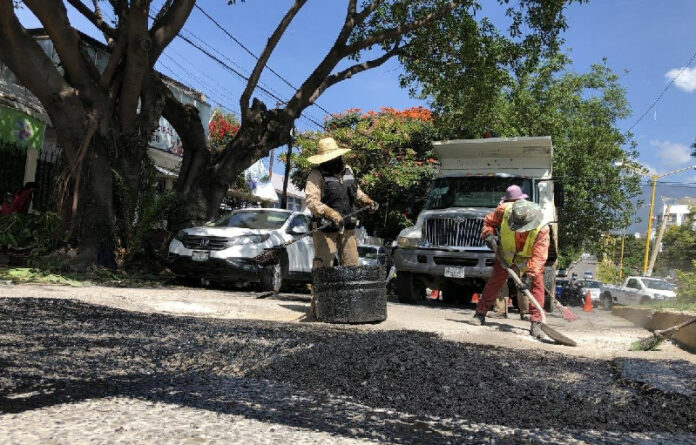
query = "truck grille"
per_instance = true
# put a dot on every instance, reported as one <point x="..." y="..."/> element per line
<point x="453" y="232"/>
<point x="204" y="242"/>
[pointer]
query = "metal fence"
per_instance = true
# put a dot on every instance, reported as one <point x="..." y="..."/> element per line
<point x="12" y="161"/>
<point x="48" y="167"/>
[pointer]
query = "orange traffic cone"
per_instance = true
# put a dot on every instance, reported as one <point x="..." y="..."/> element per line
<point x="588" y="302"/>
<point x="435" y="294"/>
<point x="474" y="298"/>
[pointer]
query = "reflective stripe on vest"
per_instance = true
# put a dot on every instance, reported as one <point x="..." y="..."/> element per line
<point x="509" y="247"/>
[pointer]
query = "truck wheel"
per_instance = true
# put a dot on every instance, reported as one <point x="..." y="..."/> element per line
<point x="271" y="278"/>
<point x="550" y="284"/>
<point x="645" y="300"/>
<point x="455" y="293"/>
<point x="607" y="303"/>
<point x="408" y="289"/>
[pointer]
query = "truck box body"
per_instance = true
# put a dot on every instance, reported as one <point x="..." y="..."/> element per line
<point x="444" y="249"/>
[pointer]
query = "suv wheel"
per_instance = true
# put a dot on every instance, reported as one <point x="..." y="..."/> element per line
<point x="606" y="302"/>
<point x="408" y="288"/>
<point x="271" y="278"/>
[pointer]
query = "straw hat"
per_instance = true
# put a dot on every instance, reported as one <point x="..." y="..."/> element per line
<point x="328" y="150"/>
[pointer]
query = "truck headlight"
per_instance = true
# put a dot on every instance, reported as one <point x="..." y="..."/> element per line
<point x="407" y="243"/>
<point x="247" y="239"/>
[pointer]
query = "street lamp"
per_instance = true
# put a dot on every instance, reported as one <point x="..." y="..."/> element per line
<point x="654" y="177"/>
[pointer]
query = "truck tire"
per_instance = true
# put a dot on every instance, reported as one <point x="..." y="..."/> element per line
<point x="408" y="288"/>
<point x="645" y="300"/>
<point x="607" y="302"/>
<point x="455" y="293"/>
<point x="550" y="284"/>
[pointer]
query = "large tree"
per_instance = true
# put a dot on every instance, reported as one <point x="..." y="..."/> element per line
<point x="101" y="128"/>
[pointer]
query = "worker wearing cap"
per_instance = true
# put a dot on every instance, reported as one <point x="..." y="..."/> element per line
<point x="332" y="193"/>
<point x="524" y="244"/>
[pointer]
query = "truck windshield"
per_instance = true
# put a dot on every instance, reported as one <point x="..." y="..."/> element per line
<point x="657" y="284"/>
<point x="472" y="191"/>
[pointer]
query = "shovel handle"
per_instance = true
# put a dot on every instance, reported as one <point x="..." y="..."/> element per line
<point x="323" y="227"/>
<point x="518" y="282"/>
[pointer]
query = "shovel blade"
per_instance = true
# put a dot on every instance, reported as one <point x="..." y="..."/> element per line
<point x="557" y="336"/>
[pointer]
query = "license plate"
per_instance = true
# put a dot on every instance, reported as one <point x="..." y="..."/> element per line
<point x="455" y="272"/>
<point x="200" y="255"/>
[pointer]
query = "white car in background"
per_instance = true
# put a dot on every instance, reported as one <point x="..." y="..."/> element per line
<point x="222" y="251"/>
<point x="594" y="287"/>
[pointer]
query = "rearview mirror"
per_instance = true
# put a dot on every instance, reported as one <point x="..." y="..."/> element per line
<point x="297" y="231"/>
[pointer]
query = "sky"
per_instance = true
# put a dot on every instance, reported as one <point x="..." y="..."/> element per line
<point x="647" y="41"/>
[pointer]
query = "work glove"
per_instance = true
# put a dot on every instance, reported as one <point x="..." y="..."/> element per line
<point x="334" y="217"/>
<point x="367" y="202"/>
<point x="492" y="242"/>
<point x="526" y="282"/>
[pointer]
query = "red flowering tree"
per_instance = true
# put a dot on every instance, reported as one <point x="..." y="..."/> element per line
<point x="222" y="128"/>
<point x="391" y="156"/>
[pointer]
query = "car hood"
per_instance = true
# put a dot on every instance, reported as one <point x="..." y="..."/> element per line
<point x="664" y="293"/>
<point x="226" y="232"/>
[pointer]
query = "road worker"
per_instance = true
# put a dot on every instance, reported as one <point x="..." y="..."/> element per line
<point x="332" y="193"/>
<point x="523" y="242"/>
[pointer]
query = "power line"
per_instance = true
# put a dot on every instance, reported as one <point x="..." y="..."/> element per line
<point x="657" y="99"/>
<point x="251" y="53"/>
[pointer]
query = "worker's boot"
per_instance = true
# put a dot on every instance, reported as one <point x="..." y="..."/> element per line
<point x="478" y="320"/>
<point x="536" y="330"/>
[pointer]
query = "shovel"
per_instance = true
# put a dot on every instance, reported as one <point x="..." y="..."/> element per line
<point x="270" y="254"/>
<point x="548" y="330"/>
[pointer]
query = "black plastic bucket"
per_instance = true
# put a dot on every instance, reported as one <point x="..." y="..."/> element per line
<point x="351" y="294"/>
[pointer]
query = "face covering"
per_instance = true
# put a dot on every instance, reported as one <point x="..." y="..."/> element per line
<point x="334" y="166"/>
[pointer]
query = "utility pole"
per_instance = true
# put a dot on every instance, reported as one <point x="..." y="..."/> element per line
<point x="284" y="199"/>
<point x="658" y="240"/>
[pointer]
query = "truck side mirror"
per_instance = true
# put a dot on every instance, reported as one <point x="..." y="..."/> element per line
<point x="558" y="194"/>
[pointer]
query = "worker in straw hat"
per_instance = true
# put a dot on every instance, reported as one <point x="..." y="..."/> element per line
<point x="524" y="244"/>
<point x="332" y="193"/>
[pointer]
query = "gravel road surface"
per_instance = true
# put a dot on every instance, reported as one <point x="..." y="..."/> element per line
<point x="109" y="365"/>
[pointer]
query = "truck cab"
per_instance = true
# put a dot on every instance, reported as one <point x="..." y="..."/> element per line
<point x="444" y="249"/>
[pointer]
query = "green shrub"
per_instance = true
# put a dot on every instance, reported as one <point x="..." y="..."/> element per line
<point x="35" y="232"/>
<point x="686" y="289"/>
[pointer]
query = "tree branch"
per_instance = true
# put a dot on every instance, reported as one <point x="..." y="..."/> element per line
<point x="66" y="41"/>
<point x="351" y="71"/>
<point x="367" y="10"/>
<point x="266" y="54"/>
<point x="96" y="18"/>
<point x="392" y="33"/>
<point x="137" y="63"/>
<point x="168" y="25"/>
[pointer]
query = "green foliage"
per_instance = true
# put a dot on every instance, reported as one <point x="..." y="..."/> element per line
<point x="686" y="289"/>
<point x="679" y="245"/>
<point x="35" y="232"/>
<point x="148" y="209"/>
<point x="392" y="158"/>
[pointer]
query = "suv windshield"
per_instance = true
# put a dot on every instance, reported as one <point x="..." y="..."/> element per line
<point x="657" y="284"/>
<point x="592" y="284"/>
<point x="262" y="220"/>
<point x="472" y="191"/>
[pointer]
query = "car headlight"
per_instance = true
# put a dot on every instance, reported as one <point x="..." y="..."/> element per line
<point x="180" y="235"/>
<point x="407" y="243"/>
<point x="247" y="239"/>
<point x="658" y="296"/>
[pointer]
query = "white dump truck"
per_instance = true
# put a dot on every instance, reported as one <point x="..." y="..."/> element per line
<point x="636" y="290"/>
<point x="444" y="249"/>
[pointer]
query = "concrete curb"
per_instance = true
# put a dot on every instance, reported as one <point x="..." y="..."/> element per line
<point x="653" y="320"/>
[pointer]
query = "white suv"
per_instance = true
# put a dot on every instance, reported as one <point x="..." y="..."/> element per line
<point x="221" y="251"/>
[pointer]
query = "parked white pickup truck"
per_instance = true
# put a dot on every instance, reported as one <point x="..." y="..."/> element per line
<point x="636" y="290"/>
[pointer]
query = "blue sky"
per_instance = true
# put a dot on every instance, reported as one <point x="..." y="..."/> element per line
<point x="651" y="40"/>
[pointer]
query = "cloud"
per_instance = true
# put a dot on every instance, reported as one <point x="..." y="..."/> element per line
<point x="686" y="80"/>
<point x="672" y="154"/>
